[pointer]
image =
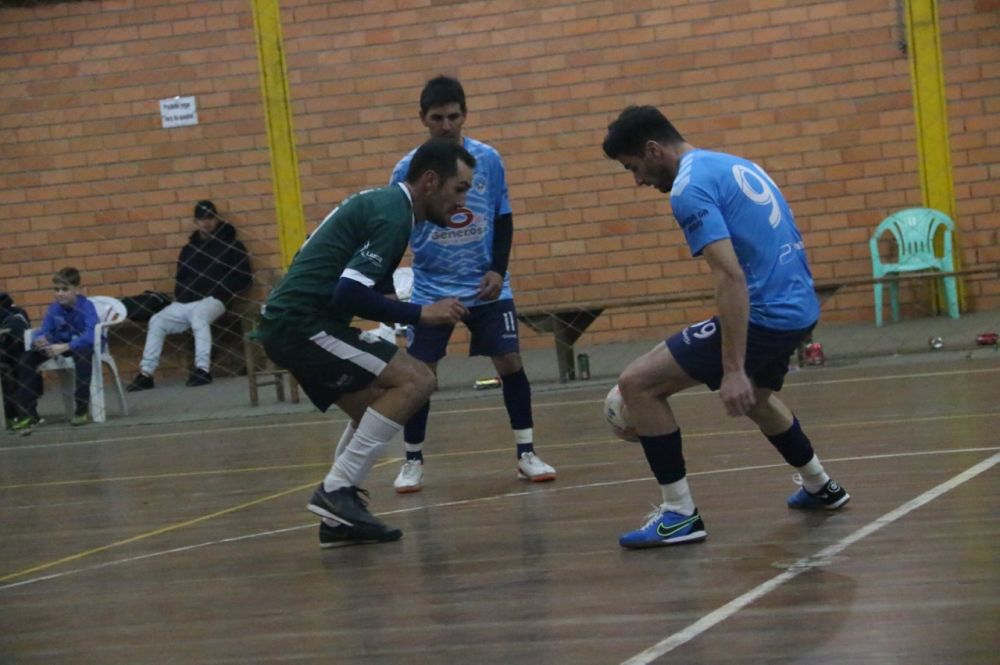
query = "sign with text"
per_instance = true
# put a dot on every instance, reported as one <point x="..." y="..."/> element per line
<point x="178" y="112"/>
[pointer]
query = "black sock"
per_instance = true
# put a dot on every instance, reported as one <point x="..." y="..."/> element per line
<point x="517" y="399"/>
<point x="793" y="444"/>
<point x="666" y="460"/>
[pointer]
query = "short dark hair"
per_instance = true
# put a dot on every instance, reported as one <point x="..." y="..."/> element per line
<point x="205" y="210"/>
<point x="634" y="127"/>
<point x="69" y="276"/>
<point x="442" y="90"/>
<point x="440" y="156"/>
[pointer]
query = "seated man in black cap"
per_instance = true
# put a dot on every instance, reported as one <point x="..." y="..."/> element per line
<point x="212" y="268"/>
<point x="13" y="322"/>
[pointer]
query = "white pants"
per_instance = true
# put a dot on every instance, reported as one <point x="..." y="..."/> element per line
<point x="176" y="318"/>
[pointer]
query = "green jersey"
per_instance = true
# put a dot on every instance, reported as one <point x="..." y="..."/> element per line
<point x="363" y="239"/>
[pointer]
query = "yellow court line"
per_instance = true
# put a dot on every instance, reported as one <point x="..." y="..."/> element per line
<point x="150" y="534"/>
<point x="180" y="525"/>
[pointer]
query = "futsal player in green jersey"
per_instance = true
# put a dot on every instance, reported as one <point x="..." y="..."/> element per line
<point x="343" y="271"/>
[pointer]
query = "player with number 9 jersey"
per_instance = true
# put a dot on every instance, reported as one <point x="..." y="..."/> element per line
<point x="715" y="196"/>
<point x="734" y="216"/>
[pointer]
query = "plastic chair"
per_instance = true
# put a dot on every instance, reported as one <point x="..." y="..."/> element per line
<point x="914" y="230"/>
<point x="110" y="312"/>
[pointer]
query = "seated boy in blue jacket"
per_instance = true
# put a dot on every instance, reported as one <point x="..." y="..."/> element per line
<point x="68" y="330"/>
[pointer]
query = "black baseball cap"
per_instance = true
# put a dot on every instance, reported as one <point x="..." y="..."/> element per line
<point x="204" y="210"/>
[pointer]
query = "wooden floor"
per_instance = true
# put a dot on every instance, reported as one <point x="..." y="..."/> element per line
<point x="191" y="544"/>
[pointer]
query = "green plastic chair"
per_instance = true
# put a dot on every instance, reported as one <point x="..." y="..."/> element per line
<point x="914" y="230"/>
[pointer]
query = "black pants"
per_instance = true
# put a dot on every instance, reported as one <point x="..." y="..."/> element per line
<point x="30" y="379"/>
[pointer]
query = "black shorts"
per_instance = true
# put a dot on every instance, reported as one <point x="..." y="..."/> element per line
<point x="698" y="350"/>
<point x="328" y="359"/>
<point x="492" y="329"/>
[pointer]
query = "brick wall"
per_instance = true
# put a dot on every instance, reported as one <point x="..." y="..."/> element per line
<point x="817" y="92"/>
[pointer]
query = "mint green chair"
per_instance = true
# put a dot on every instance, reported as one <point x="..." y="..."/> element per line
<point x="914" y="230"/>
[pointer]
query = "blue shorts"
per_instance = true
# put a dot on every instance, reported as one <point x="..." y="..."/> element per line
<point x="698" y="350"/>
<point x="492" y="329"/>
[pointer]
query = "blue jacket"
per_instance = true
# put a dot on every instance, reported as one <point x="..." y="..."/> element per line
<point x="74" y="325"/>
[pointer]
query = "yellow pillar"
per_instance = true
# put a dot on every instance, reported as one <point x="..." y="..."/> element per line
<point x="280" y="137"/>
<point x="930" y="109"/>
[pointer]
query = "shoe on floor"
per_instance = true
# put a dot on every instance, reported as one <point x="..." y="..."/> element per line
<point x="81" y="417"/>
<point x="531" y="467"/>
<point x="199" y="377"/>
<point x="409" y="477"/>
<point x="23" y="424"/>
<point x="665" y="527"/>
<point x="140" y="382"/>
<point x="334" y="534"/>
<point x="346" y="506"/>
<point x="830" y="497"/>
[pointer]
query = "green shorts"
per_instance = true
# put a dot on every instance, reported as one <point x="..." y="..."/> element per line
<point x="328" y="359"/>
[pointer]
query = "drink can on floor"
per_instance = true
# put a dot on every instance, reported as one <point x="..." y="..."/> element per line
<point x="813" y="354"/>
<point x="483" y="384"/>
<point x="987" y="339"/>
<point x="582" y="366"/>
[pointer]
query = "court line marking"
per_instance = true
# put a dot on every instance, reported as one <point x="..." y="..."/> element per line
<point x="821" y="558"/>
<point x="489" y="451"/>
<point x="400" y="511"/>
<point x="444" y="412"/>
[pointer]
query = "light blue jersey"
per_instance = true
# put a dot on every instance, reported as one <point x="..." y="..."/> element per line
<point x="451" y="261"/>
<point x="717" y="196"/>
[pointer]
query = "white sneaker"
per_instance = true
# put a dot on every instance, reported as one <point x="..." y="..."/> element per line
<point x="409" y="477"/>
<point x="531" y="467"/>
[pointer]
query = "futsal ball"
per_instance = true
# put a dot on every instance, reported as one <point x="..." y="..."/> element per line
<point x="617" y="416"/>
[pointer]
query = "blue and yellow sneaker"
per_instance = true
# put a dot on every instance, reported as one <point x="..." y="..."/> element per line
<point x="830" y="497"/>
<point x="665" y="527"/>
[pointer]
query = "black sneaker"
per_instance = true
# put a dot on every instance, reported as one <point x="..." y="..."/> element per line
<point x="199" y="377"/>
<point x="345" y="505"/>
<point x="140" y="382"/>
<point x="831" y="497"/>
<point x="334" y="534"/>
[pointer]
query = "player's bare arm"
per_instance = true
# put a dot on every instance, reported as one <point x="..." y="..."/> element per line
<point x="732" y="301"/>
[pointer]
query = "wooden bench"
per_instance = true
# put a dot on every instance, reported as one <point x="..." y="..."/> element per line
<point x="567" y="322"/>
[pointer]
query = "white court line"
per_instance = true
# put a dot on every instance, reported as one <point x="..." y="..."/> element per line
<point x="445" y="412"/>
<point x="463" y="502"/>
<point x="819" y="559"/>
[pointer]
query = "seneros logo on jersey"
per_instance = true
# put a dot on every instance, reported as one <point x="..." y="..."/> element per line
<point x="461" y="219"/>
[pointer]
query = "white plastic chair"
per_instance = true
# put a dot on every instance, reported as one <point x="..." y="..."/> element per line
<point x="402" y="282"/>
<point x="110" y="312"/>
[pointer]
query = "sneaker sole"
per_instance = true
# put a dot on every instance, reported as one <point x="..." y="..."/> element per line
<point x="693" y="537"/>
<point x="543" y="478"/>
<point x="409" y="489"/>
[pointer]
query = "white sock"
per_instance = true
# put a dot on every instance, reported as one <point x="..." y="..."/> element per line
<point x="677" y="497"/>
<point x="813" y="475"/>
<point x="526" y="435"/>
<point x="345" y="438"/>
<point x="352" y="465"/>
<point x="414" y="448"/>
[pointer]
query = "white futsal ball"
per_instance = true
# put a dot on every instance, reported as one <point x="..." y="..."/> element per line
<point x="617" y="416"/>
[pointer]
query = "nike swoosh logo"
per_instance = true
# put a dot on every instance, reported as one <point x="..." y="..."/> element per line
<point x="665" y="531"/>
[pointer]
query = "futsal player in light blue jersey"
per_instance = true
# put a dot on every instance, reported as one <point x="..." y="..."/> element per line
<point x="468" y="260"/>
<point x="734" y="216"/>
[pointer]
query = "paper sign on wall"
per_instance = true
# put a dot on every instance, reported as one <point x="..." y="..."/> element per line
<point x="178" y="112"/>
